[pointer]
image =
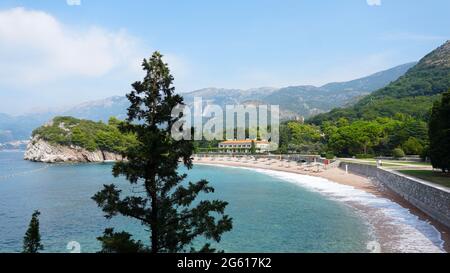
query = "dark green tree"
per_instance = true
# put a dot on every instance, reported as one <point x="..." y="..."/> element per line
<point x="253" y="148"/>
<point x="439" y="133"/>
<point x="210" y="148"/>
<point x="32" y="239"/>
<point x="120" y="242"/>
<point x="164" y="205"/>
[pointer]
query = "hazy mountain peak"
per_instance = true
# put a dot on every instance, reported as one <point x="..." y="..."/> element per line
<point x="371" y="82"/>
<point x="107" y="102"/>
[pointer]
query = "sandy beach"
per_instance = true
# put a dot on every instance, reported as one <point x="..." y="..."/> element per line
<point x="385" y="227"/>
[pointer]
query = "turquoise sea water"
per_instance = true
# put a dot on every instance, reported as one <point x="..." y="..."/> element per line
<point x="270" y="214"/>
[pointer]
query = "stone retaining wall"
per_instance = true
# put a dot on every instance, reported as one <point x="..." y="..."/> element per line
<point x="431" y="199"/>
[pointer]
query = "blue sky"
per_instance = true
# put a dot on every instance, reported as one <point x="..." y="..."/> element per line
<point x="55" y="54"/>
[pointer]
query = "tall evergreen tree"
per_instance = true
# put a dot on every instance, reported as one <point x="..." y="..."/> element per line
<point x="439" y="133"/>
<point x="165" y="205"/>
<point x="32" y="239"/>
<point x="253" y="148"/>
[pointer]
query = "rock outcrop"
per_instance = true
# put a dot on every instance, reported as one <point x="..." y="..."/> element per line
<point x="43" y="151"/>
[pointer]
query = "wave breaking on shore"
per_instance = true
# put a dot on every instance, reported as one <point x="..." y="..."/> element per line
<point x="395" y="227"/>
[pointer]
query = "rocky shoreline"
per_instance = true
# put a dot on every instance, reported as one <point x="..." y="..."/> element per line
<point x="39" y="150"/>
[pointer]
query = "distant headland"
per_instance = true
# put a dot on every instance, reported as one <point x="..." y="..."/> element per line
<point x="67" y="139"/>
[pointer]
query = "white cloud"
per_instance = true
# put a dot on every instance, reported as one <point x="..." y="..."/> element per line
<point x="374" y="2"/>
<point x="36" y="48"/>
<point x="44" y="62"/>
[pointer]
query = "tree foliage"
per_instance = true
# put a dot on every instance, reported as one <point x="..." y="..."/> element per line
<point x="120" y="242"/>
<point x="32" y="238"/>
<point x="398" y="153"/>
<point x="86" y="134"/>
<point x="439" y="132"/>
<point x="253" y="148"/>
<point x="300" y="138"/>
<point x="375" y="137"/>
<point x="165" y="206"/>
<point x="413" y="146"/>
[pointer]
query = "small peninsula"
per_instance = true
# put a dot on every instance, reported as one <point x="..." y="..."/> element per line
<point x="67" y="139"/>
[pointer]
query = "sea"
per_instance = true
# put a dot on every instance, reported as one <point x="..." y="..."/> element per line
<point x="271" y="211"/>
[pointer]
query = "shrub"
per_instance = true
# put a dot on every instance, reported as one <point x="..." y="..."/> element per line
<point x="398" y="153"/>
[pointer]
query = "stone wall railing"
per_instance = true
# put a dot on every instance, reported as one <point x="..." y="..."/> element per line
<point x="429" y="198"/>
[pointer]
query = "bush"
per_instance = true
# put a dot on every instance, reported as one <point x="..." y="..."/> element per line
<point x="398" y="153"/>
<point x="329" y="156"/>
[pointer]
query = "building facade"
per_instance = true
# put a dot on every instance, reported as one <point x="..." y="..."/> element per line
<point x="243" y="146"/>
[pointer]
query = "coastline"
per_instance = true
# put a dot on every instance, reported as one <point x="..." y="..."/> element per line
<point x="40" y="150"/>
<point x="387" y="230"/>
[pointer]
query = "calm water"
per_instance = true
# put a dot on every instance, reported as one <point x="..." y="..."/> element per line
<point x="270" y="215"/>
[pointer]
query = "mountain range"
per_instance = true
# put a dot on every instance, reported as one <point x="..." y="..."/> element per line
<point x="413" y="94"/>
<point x="294" y="101"/>
<point x="303" y="100"/>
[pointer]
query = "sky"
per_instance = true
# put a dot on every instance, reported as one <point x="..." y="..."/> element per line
<point x="62" y="52"/>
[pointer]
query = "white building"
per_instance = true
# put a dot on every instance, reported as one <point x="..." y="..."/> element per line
<point x="243" y="146"/>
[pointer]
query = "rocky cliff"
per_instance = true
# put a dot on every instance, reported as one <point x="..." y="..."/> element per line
<point x="43" y="151"/>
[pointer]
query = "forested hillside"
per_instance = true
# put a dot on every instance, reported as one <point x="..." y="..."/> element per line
<point x="393" y="118"/>
<point x="412" y="94"/>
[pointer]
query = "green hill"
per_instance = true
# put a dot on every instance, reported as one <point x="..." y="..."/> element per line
<point x="86" y="134"/>
<point x="412" y="94"/>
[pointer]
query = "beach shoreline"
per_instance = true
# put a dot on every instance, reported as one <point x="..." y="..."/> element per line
<point x="384" y="228"/>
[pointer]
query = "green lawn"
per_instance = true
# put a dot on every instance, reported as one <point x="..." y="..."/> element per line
<point x="409" y="162"/>
<point x="431" y="176"/>
<point x="388" y="163"/>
